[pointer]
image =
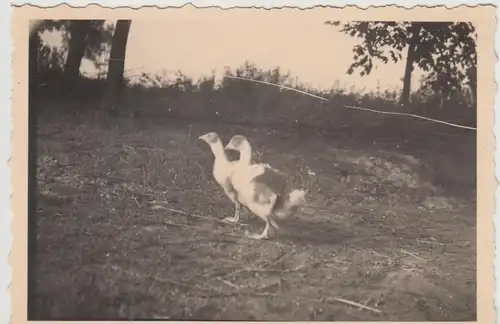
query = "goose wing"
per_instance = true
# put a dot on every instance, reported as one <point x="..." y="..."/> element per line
<point x="268" y="184"/>
<point x="270" y="178"/>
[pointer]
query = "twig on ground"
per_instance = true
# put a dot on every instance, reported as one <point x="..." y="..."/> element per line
<point x="267" y="286"/>
<point x="349" y="302"/>
<point x="178" y="211"/>
<point x="137" y="202"/>
<point x="156" y="202"/>
<point x="156" y="207"/>
<point x="429" y="242"/>
<point x="412" y="254"/>
<point x="235" y="272"/>
<point x="366" y="302"/>
<point x="326" y="300"/>
<point x="228" y="283"/>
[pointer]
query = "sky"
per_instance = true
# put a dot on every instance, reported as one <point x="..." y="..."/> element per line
<point x="196" y="44"/>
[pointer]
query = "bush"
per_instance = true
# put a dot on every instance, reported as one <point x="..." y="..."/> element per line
<point x="244" y="102"/>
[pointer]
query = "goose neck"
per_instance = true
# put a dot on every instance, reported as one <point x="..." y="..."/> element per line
<point x="246" y="154"/>
<point x="218" y="150"/>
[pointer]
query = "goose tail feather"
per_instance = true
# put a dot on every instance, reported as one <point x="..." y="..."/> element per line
<point x="295" y="199"/>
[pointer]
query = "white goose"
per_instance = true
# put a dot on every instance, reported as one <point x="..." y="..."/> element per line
<point x="262" y="189"/>
<point x="222" y="171"/>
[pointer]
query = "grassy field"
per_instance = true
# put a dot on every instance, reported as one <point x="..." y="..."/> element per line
<point x="128" y="226"/>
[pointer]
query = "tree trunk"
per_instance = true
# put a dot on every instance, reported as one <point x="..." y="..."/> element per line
<point x="472" y="76"/>
<point x="34" y="47"/>
<point x="410" y="59"/>
<point x="114" y="79"/>
<point x="405" y="95"/>
<point x="78" y="31"/>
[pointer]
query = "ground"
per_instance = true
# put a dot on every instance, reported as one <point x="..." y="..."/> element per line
<point x="128" y="226"/>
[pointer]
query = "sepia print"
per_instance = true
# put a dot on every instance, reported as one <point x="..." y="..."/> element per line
<point x="200" y="164"/>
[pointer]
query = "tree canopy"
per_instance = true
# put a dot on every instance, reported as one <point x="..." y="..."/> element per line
<point x="95" y="40"/>
<point x="446" y="50"/>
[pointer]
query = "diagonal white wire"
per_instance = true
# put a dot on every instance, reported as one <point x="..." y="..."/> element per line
<point x="354" y="107"/>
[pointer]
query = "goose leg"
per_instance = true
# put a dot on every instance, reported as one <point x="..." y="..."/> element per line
<point x="236" y="217"/>
<point x="274" y="224"/>
<point x="263" y="235"/>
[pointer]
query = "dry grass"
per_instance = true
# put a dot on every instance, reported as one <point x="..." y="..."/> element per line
<point x="128" y="227"/>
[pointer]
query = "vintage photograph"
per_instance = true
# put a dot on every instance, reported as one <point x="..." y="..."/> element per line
<point x="200" y="164"/>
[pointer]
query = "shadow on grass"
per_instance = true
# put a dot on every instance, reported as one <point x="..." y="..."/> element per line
<point x="304" y="232"/>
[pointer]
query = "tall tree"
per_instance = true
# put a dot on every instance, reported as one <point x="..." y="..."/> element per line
<point x="78" y="31"/>
<point x="114" y="78"/>
<point x="88" y="39"/>
<point x="35" y="45"/>
<point x="447" y="48"/>
<point x="411" y="57"/>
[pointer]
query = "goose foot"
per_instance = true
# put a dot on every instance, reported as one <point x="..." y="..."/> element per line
<point x="263" y="235"/>
<point x="231" y="220"/>
<point x="236" y="217"/>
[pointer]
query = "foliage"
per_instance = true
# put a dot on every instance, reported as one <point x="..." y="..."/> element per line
<point x="163" y="95"/>
<point x="98" y="38"/>
<point x="98" y="42"/>
<point x="447" y="50"/>
<point x="49" y="25"/>
<point x="50" y="58"/>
